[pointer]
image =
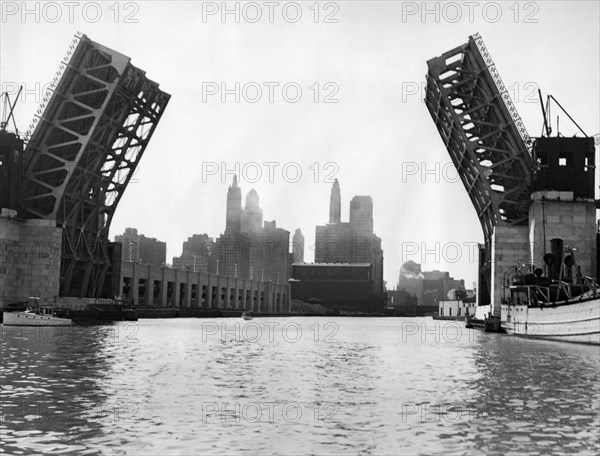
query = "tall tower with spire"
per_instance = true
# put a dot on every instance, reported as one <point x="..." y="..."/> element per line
<point x="233" y="221"/>
<point x="335" y="204"/>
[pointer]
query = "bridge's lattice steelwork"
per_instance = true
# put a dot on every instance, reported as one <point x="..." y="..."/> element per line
<point x="483" y="133"/>
<point x="83" y="153"/>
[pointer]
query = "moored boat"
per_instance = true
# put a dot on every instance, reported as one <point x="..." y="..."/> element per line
<point x="569" y="321"/>
<point x="247" y="315"/>
<point x="567" y="309"/>
<point x="35" y="316"/>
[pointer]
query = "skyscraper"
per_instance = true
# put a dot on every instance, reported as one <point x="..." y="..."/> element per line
<point x="361" y="221"/>
<point x="229" y="256"/>
<point x="139" y="248"/>
<point x="298" y="247"/>
<point x="196" y="253"/>
<point x="275" y="245"/>
<point x="335" y="204"/>
<point x="252" y="215"/>
<point x="361" y="214"/>
<point x="333" y="243"/>
<point x="233" y="220"/>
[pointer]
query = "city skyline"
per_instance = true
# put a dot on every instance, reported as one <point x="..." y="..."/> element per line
<point x="377" y="139"/>
<point x="248" y="220"/>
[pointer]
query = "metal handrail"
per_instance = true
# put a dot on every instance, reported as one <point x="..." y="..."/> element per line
<point x="489" y="62"/>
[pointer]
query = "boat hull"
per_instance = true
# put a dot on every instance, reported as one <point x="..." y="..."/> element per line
<point x="31" y="319"/>
<point x="577" y="322"/>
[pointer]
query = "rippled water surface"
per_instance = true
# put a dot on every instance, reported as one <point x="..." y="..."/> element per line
<point x="294" y="386"/>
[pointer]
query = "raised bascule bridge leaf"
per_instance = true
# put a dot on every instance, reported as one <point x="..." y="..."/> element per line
<point x="87" y="142"/>
<point x="483" y="134"/>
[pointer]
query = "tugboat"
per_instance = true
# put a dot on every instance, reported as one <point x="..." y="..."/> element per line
<point x="565" y="309"/>
<point x="36" y="315"/>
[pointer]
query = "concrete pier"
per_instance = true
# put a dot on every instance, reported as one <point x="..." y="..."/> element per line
<point x="159" y="286"/>
<point x="510" y="247"/>
<point x="29" y="258"/>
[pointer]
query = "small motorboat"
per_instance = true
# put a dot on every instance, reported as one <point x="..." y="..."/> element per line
<point x="35" y="316"/>
<point x="246" y="315"/>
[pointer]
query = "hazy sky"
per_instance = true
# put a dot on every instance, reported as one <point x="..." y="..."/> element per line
<point x="377" y="139"/>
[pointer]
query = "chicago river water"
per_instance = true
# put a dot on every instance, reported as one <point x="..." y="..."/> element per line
<point x="294" y="386"/>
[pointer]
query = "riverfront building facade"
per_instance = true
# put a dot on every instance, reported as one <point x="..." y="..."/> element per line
<point x="342" y="287"/>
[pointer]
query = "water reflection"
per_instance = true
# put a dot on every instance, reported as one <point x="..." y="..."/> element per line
<point x="304" y="386"/>
<point x="52" y="396"/>
<point x="536" y="396"/>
